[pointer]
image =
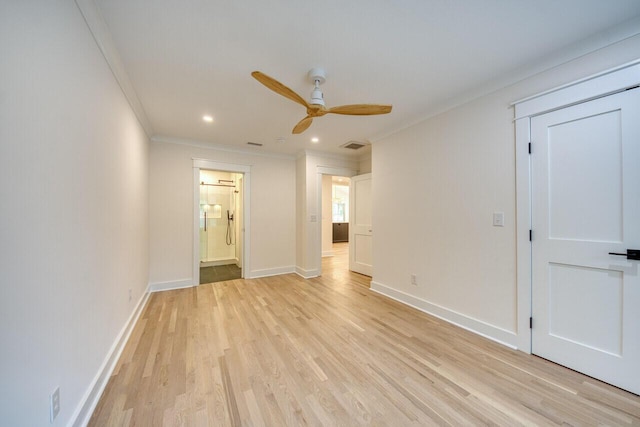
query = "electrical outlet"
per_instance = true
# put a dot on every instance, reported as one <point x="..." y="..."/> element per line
<point x="54" y="405"/>
<point x="130" y="296"/>
<point x="414" y="280"/>
<point x="498" y="219"/>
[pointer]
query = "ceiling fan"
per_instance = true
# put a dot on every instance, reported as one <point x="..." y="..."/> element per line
<point x="316" y="107"/>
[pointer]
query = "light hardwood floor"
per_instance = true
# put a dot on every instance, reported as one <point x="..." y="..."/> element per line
<point x="327" y="351"/>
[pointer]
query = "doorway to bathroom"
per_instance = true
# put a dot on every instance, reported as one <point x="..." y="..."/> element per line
<point x="220" y="226"/>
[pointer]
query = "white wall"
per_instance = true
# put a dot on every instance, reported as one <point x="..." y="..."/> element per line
<point x="365" y="164"/>
<point x="273" y="221"/>
<point x="452" y="172"/>
<point x="74" y="206"/>
<point x="327" y="222"/>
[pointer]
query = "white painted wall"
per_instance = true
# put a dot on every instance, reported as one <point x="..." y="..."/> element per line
<point x="365" y="164"/>
<point x="273" y="218"/>
<point x="74" y="207"/>
<point x="327" y="223"/>
<point x="451" y="172"/>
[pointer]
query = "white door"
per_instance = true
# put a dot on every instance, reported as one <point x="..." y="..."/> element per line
<point x="585" y="167"/>
<point x="360" y="229"/>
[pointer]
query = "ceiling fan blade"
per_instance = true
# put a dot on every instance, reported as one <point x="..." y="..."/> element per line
<point x="303" y="125"/>
<point x="361" y="109"/>
<point x="279" y="88"/>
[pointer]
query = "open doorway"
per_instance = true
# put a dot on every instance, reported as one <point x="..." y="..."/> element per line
<point x="220" y="219"/>
<point x="230" y="187"/>
<point x="335" y="224"/>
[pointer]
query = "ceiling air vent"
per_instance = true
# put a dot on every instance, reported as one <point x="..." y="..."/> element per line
<point x="255" y="144"/>
<point x="353" y="145"/>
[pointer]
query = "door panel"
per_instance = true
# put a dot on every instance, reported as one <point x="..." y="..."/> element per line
<point x="360" y="228"/>
<point x="586" y="203"/>
<point x="591" y="144"/>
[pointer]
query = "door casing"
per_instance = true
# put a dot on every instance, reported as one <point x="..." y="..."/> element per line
<point x="599" y="85"/>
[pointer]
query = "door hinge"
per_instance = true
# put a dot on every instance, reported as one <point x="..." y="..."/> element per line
<point x="529" y="148"/>
<point x="530" y="322"/>
<point x="531" y="235"/>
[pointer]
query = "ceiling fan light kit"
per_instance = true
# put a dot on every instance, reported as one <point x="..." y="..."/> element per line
<point x="316" y="108"/>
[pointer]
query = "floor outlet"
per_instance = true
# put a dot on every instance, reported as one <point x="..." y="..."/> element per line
<point x="414" y="280"/>
<point x="55" y="403"/>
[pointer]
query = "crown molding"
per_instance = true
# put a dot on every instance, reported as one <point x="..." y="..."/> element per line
<point x="602" y="40"/>
<point x="98" y="28"/>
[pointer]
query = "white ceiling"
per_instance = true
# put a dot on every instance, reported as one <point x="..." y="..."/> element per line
<point x="193" y="57"/>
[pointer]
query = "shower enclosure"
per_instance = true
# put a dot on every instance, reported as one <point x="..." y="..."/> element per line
<point x="220" y="215"/>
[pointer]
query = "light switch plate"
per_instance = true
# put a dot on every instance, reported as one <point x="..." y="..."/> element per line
<point x="498" y="219"/>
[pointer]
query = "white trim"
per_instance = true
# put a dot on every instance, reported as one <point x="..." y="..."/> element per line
<point x="523" y="225"/>
<point x="307" y="274"/>
<point x="170" y="285"/>
<point x="100" y="32"/>
<point x="584" y="79"/>
<point x="218" y="147"/>
<point x="89" y="401"/>
<point x="595" y="86"/>
<point x="479" y="327"/>
<point x="246" y="212"/>
<point x="327" y="254"/>
<point x="255" y="274"/>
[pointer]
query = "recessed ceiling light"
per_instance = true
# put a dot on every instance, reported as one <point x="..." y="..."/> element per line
<point x="314" y="140"/>
<point x="207" y="119"/>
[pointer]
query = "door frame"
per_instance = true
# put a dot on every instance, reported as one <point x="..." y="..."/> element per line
<point x="592" y="87"/>
<point x="245" y="170"/>
<point x="332" y="171"/>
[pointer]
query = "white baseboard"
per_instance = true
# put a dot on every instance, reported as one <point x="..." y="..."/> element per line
<point x="87" y="405"/>
<point x="271" y="272"/>
<point x="307" y="274"/>
<point x="494" y="333"/>
<point x="327" y="253"/>
<point x="167" y="286"/>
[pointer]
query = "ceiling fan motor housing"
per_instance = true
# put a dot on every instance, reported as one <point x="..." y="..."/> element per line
<point x="317" y="77"/>
<point x="317" y="98"/>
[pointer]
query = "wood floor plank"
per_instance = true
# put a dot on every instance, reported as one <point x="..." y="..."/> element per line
<point x="284" y="351"/>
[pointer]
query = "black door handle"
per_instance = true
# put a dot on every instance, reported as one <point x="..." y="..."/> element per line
<point x="633" y="254"/>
